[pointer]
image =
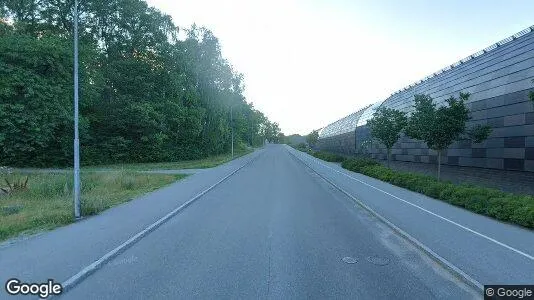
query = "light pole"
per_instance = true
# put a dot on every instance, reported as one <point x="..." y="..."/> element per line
<point x="77" y="212"/>
<point x="232" y="125"/>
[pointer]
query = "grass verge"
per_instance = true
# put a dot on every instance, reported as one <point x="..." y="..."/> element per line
<point x="507" y="207"/>
<point x="203" y="163"/>
<point x="47" y="203"/>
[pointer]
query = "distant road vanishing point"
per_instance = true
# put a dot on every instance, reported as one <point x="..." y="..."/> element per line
<point x="276" y="224"/>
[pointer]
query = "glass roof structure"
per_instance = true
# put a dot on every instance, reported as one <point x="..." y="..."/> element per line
<point x="403" y="99"/>
<point x="347" y="124"/>
<point x="368" y="113"/>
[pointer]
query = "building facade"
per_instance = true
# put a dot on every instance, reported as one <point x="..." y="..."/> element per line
<point x="499" y="79"/>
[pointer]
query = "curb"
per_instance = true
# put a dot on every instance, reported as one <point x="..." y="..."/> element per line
<point x="93" y="267"/>
<point x="436" y="257"/>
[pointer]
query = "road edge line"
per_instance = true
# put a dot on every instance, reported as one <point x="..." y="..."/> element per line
<point x="93" y="267"/>
<point x="436" y="257"/>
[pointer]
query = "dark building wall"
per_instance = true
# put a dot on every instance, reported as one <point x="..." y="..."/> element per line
<point x="509" y="147"/>
<point x="344" y="143"/>
<point x="499" y="81"/>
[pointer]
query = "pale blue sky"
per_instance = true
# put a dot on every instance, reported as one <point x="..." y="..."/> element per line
<point x="309" y="63"/>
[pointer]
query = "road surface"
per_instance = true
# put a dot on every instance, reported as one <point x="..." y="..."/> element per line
<point x="276" y="229"/>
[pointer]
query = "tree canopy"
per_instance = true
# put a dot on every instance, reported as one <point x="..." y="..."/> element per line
<point x="440" y="127"/>
<point x="386" y="126"/>
<point x="146" y="95"/>
<point x="312" y="138"/>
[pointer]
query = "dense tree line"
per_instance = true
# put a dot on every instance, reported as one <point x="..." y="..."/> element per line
<point x="146" y="93"/>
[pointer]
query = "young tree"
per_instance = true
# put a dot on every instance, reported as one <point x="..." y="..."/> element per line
<point x="386" y="126"/>
<point x="440" y="127"/>
<point x="312" y="138"/>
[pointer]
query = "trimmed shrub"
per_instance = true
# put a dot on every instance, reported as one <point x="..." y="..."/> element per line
<point x="356" y="164"/>
<point x="524" y="215"/>
<point x="327" y="156"/>
<point x="518" y="209"/>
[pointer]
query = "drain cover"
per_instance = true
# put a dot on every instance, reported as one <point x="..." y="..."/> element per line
<point x="378" y="260"/>
<point x="349" y="260"/>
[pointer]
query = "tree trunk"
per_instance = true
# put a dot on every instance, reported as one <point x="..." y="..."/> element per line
<point x="439" y="163"/>
<point x="389" y="156"/>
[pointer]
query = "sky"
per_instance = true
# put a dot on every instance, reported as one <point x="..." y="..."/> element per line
<point x="308" y="63"/>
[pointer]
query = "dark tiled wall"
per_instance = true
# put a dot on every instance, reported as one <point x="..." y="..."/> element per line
<point x="510" y="145"/>
<point x="343" y="143"/>
<point x="499" y="82"/>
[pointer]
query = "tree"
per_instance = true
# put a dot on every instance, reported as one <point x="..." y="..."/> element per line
<point x="440" y="127"/>
<point x="312" y="138"/>
<point x="271" y="132"/>
<point x="386" y="126"/>
<point x="145" y="94"/>
<point x="36" y="98"/>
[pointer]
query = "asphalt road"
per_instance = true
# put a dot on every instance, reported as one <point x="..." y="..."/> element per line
<point x="489" y="251"/>
<point x="275" y="229"/>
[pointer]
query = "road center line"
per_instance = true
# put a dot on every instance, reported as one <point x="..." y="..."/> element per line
<point x="433" y="214"/>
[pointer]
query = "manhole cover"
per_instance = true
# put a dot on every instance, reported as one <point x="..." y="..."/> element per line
<point x="349" y="260"/>
<point x="378" y="260"/>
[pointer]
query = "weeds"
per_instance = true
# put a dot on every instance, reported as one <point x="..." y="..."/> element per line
<point x="46" y="202"/>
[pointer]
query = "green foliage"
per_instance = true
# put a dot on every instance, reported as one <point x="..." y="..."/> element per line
<point x="386" y="126"/>
<point x="440" y="126"/>
<point x="302" y="147"/>
<point x="478" y="133"/>
<point x="518" y="209"/>
<point x="295" y="139"/>
<point x="357" y="164"/>
<point x="145" y="95"/>
<point x="271" y="132"/>
<point x="312" y="138"/>
<point x="327" y="156"/>
<point x="47" y="201"/>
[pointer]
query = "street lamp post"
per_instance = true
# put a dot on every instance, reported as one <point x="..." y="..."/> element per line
<point x="77" y="212"/>
<point x="232" y="125"/>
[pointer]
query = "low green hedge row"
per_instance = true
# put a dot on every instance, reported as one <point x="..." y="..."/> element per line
<point x="518" y="209"/>
<point x="331" y="157"/>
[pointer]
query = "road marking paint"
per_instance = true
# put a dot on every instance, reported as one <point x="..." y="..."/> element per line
<point x="434" y="214"/>
<point x="445" y="263"/>
<point x="88" y="270"/>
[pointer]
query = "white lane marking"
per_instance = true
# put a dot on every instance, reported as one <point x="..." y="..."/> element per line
<point x="72" y="281"/>
<point x="434" y="214"/>
<point x="470" y="280"/>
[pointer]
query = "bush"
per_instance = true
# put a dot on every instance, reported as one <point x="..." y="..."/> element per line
<point x="302" y="147"/>
<point x="518" y="209"/>
<point x="433" y="189"/>
<point x="327" y="156"/>
<point x="357" y="164"/>
<point x="524" y="215"/>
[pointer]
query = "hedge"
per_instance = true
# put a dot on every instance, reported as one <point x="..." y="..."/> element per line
<point x="331" y="157"/>
<point x="518" y="209"/>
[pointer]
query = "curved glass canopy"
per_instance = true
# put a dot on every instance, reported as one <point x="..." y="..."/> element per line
<point x="347" y="124"/>
<point x="368" y="113"/>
